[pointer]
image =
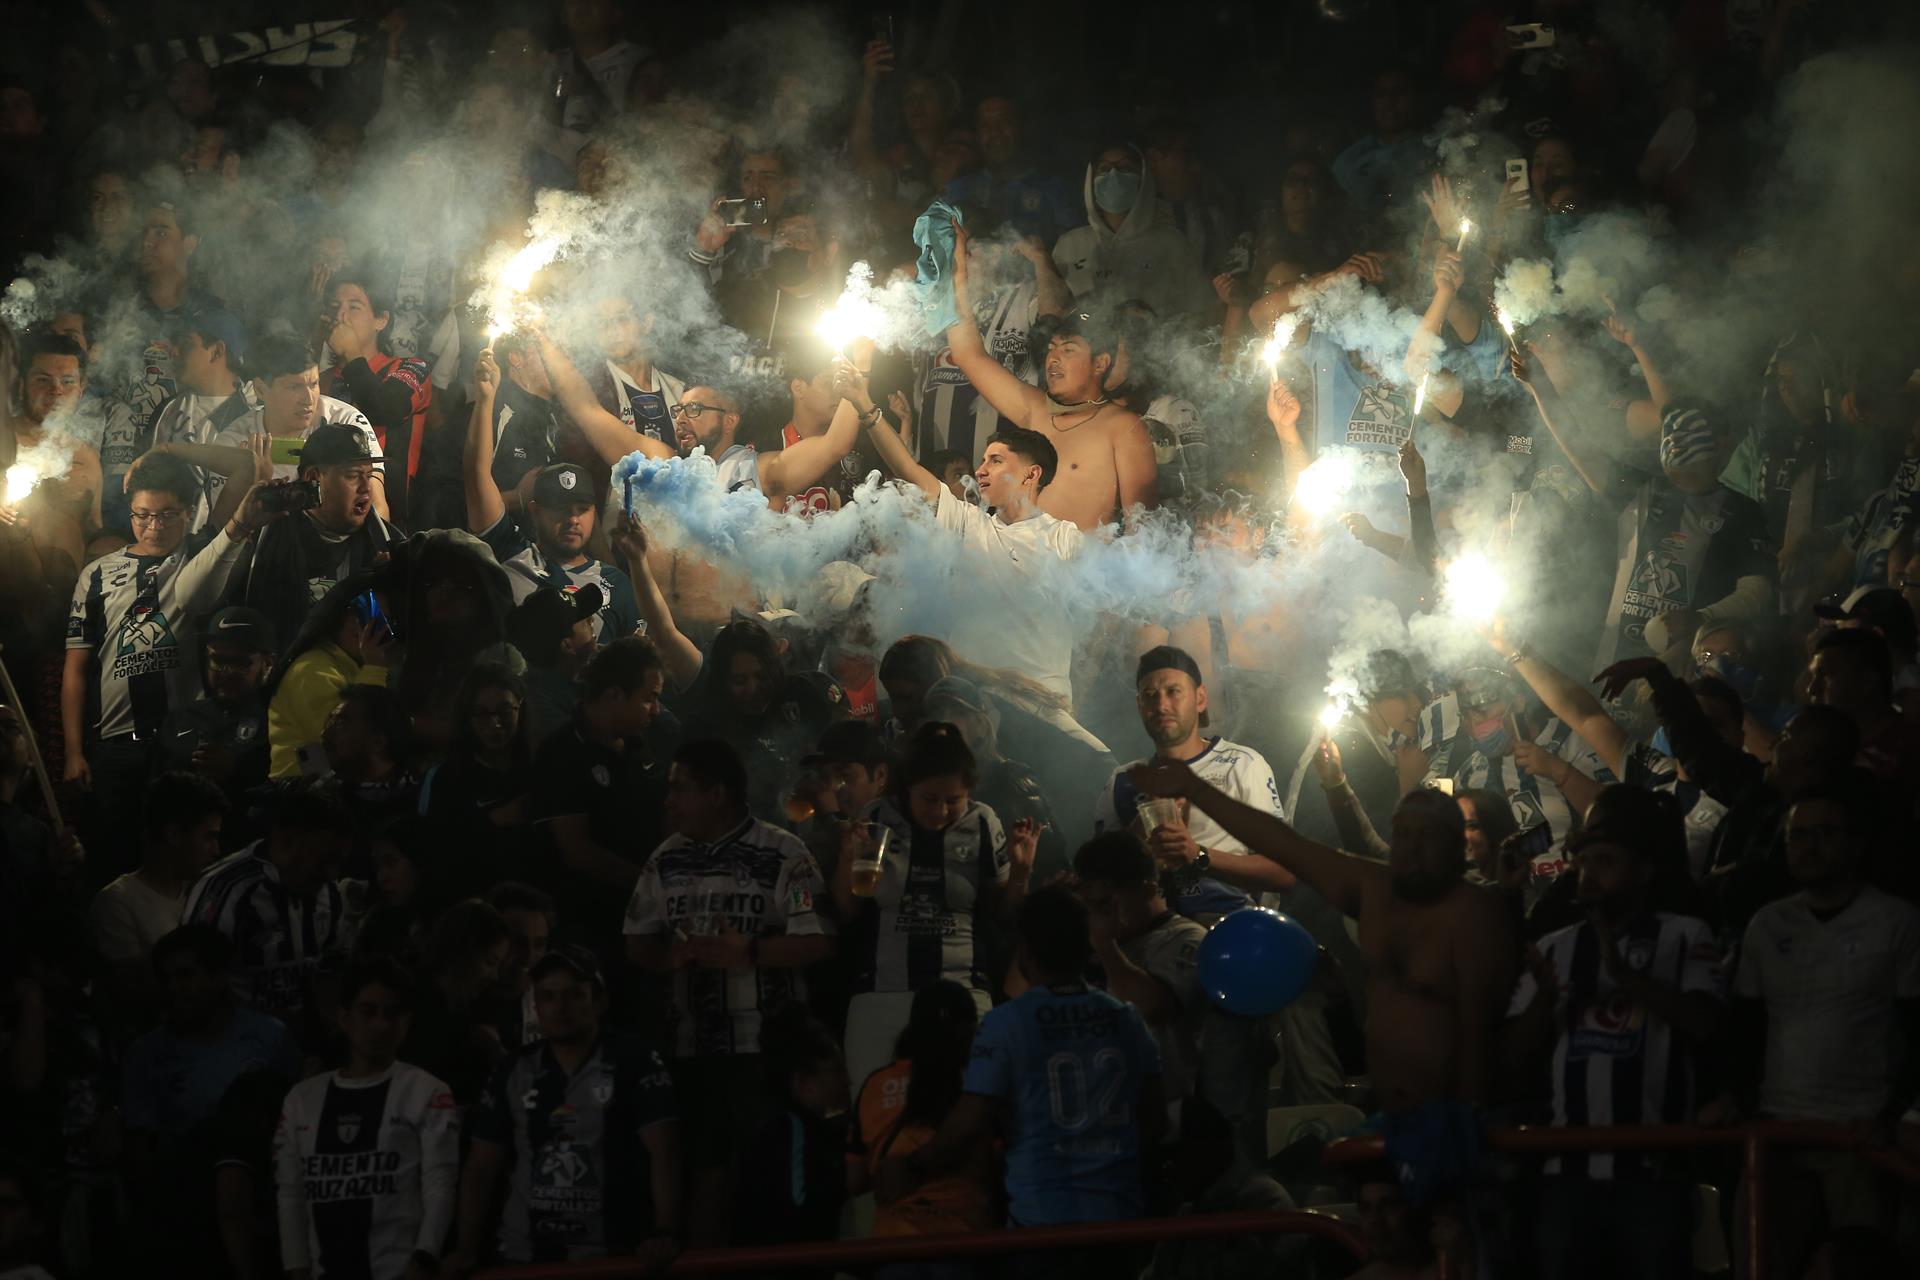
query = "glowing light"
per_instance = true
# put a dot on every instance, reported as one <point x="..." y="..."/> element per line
<point x="21" y="478"/>
<point x="506" y="301"/>
<point x="1420" y="394"/>
<point x="1340" y="696"/>
<point x="1474" y="588"/>
<point x="1506" y="321"/>
<point x="855" y="314"/>
<point x="1466" y="229"/>
<point x="1322" y="485"/>
<point x="1276" y="346"/>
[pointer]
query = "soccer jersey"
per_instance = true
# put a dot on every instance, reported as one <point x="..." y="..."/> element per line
<point x="1830" y="988"/>
<point x="195" y="419"/>
<point x="581" y="1185"/>
<point x="1647" y="766"/>
<point x="1169" y="952"/>
<point x="1069" y="1066"/>
<point x="171" y="1083"/>
<point x="739" y="468"/>
<point x="647" y="411"/>
<point x="952" y="414"/>
<point x="529" y="569"/>
<point x="1241" y="772"/>
<point x="368" y="1173"/>
<point x="1535" y="801"/>
<point x="240" y="433"/>
<point x="1678" y="551"/>
<point x="137" y="615"/>
<point x="279" y="937"/>
<point x="1353" y="407"/>
<point x="956" y="1201"/>
<point x="931" y="888"/>
<point x="525" y="435"/>
<point x="1614" y="1063"/>
<point x="761" y="882"/>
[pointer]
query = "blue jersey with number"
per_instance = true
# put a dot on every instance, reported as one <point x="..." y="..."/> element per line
<point x="1069" y="1065"/>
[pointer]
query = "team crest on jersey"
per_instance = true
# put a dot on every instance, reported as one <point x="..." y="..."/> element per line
<point x="601" y="778"/>
<point x="347" y="1128"/>
<point x="1639" y="954"/>
<point x="603" y="1092"/>
<point x="246" y="730"/>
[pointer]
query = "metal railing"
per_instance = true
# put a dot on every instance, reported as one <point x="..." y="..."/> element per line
<point x="847" y="1254"/>
<point x="1755" y="1140"/>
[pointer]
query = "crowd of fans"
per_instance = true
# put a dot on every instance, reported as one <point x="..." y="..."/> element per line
<point x="420" y="852"/>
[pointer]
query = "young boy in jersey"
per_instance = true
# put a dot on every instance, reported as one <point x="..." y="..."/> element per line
<point x="1072" y="1077"/>
<point x="1622" y="1001"/>
<point x="367" y="1157"/>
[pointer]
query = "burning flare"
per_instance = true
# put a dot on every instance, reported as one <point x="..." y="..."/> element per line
<point x="855" y="314"/>
<point x="21" y="478"/>
<point x="1474" y="588"/>
<point x="1323" y="484"/>
<point x="506" y="294"/>
<point x="1276" y="346"/>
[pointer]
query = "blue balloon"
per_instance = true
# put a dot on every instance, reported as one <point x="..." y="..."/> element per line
<point x="1255" y="962"/>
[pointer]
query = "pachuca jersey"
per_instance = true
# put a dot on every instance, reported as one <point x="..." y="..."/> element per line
<point x="368" y="1173"/>
<point x="580" y="1185"/>
<point x="279" y="938"/>
<point x="933" y="886"/>
<point x="196" y="419"/>
<point x="137" y="615"/>
<point x="529" y="569"/>
<point x="759" y="881"/>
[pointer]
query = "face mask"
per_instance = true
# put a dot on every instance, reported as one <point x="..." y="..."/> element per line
<point x="790" y="267"/>
<point x="1116" y="190"/>
<point x="1490" y="736"/>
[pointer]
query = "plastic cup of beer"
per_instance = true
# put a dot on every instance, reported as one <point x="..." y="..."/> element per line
<point x="1156" y="812"/>
<point x="799" y="802"/>
<point x="871" y="860"/>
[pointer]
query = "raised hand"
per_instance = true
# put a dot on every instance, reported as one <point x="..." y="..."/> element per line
<point x="1615" y="679"/>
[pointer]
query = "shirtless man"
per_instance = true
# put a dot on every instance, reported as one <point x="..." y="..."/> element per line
<point x="1107" y="464"/>
<point x="1440" y="953"/>
<point x="63" y="509"/>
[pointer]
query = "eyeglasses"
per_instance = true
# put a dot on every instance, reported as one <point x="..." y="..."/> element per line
<point x="693" y="409"/>
<point x="142" y="519"/>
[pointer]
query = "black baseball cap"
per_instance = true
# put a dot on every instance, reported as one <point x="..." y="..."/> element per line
<point x="847" y="742"/>
<point x="562" y="485"/>
<point x="1883" y="609"/>
<point x="1166" y="658"/>
<point x="543" y="619"/>
<point x="571" y="958"/>
<point x="337" y="443"/>
<point x="237" y="624"/>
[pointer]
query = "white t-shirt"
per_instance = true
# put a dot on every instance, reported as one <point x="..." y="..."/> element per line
<point x="739" y="468"/>
<point x="253" y="424"/>
<point x="1830" y="987"/>
<point x="1020" y="625"/>
<point x="1237" y="771"/>
<point x="129" y="916"/>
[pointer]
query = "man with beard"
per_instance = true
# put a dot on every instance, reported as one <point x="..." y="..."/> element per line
<point x="1440" y="952"/>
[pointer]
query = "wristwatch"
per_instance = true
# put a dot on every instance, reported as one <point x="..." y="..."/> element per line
<point x="1203" y="863"/>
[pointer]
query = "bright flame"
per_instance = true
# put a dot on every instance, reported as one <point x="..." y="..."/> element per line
<point x="1466" y="229"/>
<point x="854" y="315"/>
<point x="1340" y="696"/>
<point x="1323" y="484"/>
<point x="1420" y="394"/>
<point x="1474" y="588"/>
<point x="506" y="295"/>
<point x="1506" y="321"/>
<point x="1277" y="345"/>
<point x="21" y="477"/>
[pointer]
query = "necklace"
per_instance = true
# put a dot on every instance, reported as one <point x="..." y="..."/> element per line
<point x="1055" y="409"/>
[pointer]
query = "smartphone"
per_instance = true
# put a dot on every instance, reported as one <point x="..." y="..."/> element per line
<point x="1443" y="785"/>
<point x="286" y="450"/>
<point x="744" y="212"/>
<point x="1531" y="35"/>
<point x="366" y="607"/>
<point x="883" y="28"/>
<point x="1517" y="172"/>
<point x="290" y="495"/>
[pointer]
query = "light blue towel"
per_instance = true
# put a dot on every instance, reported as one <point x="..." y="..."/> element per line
<point x="933" y="232"/>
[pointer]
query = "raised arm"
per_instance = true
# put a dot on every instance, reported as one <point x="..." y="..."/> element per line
<point x="1444" y="391"/>
<point x="1012" y="398"/>
<point x="1643" y="416"/>
<point x="1339" y="877"/>
<point x="899" y="459"/>
<point x="681" y="655"/>
<point x="1054" y="297"/>
<point x="611" y="438"/>
<point x="1571" y="702"/>
<point x="485" y="506"/>
<point x="803" y="463"/>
